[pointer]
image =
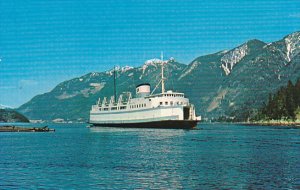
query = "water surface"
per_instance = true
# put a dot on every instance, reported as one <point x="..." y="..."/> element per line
<point x="214" y="157"/>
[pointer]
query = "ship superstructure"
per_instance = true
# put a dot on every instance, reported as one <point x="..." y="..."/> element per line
<point x="167" y="109"/>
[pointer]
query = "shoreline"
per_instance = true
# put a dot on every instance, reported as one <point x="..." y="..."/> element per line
<point x="272" y="123"/>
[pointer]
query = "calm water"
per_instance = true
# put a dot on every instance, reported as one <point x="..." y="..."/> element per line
<point x="215" y="157"/>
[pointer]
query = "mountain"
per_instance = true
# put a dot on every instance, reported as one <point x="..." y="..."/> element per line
<point x="5" y="107"/>
<point x="72" y="100"/>
<point x="11" y="116"/>
<point x="232" y="83"/>
<point x="236" y="83"/>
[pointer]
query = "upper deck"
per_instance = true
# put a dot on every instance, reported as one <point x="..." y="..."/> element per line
<point x="167" y="99"/>
<point x="167" y="94"/>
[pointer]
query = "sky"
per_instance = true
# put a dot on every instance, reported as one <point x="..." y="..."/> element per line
<point x="43" y="43"/>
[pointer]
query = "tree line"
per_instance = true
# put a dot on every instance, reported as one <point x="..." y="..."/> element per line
<point x="284" y="104"/>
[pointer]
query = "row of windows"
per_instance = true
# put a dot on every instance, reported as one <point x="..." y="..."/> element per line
<point x="171" y="95"/>
<point x="115" y="108"/>
<point x="138" y="106"/>
<point x="171" y="103"/>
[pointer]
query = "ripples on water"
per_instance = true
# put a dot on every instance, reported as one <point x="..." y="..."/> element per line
<point x="215" y="157"/>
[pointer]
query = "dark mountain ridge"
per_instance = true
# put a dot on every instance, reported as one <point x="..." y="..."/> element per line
<point x="11" y="116"/>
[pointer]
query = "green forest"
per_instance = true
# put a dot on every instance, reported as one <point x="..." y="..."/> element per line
<point x="8" y="115"/>
<point x="283" y="105"/>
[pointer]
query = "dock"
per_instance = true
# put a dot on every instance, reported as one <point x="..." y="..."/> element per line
<point x="12" y="128"/>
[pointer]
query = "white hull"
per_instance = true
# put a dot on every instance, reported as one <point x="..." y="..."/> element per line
<point x="138" y="116"/>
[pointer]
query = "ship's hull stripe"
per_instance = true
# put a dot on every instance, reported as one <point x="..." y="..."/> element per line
<point x="135" y="120"/>
<point x="167" y="124"/>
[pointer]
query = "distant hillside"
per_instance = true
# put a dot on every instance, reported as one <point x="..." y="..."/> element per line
<point x="72" y="100"/>
<point x="11" y="116"/>
<point x="231" y="83"/>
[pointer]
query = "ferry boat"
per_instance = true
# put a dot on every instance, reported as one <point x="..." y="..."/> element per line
<point x="167" y="109"/>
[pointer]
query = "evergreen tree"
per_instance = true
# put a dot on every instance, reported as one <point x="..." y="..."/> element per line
<point x="290" y="101"/>
<point x="283" y="104"/>
<point x="297" y="93"/>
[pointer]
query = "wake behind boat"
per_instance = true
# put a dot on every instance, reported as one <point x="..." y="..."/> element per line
<point x="167" y="109"/>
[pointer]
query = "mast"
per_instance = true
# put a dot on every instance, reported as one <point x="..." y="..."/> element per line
<point x="162" y="73"/>
<point x="162" y="80"/>
<point x="115" y="94"/>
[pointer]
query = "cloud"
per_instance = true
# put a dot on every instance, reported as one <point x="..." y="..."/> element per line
<point x="295" y="15"/>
